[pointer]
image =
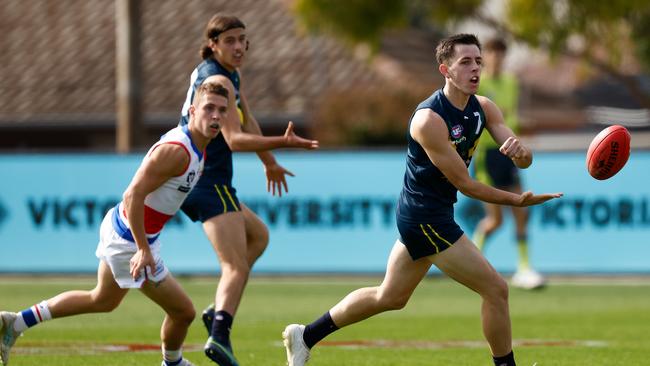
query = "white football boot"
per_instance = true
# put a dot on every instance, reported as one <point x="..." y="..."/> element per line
<point x="8" y="335"/>
<point x="528" y="279"/>
<point x="297" y="352"/>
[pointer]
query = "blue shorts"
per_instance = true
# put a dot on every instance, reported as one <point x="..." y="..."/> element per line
<point x="425" y="239"/>
<point x="205" y="202"/>
<point x="497" y="170"/>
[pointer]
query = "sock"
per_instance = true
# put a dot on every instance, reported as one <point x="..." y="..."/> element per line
<point x="479" y="239"/>
<point x="32" y="316"/>
<point x="507" y="360"/>
<point x="522" y="248"/>
<point x="221" y="327"/>
<point x="319" y="329"/>
<point x="172" y="357"/>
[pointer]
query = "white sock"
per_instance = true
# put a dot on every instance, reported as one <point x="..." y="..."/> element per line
<point x="172" y="355"/>
<point x="32" y="316"/>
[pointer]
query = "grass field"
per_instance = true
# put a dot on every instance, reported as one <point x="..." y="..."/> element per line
<point x="566" y="324"/>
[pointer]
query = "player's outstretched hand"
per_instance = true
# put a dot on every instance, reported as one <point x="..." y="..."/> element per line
<point x="294" y="140"/>
<point x="530" y="199"/>
<point x="275" y="178"/>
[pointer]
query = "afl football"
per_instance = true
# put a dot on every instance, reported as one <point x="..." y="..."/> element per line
<point x="608" y="152"/>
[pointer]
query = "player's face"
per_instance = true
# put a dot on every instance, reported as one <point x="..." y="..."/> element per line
<point x="230" y="48"/>
<point x="465" y="70"/>
<point x="209" y="113"/>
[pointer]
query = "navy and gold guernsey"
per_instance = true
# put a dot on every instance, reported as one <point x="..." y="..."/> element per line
<point x="425" y="210"/>
<point x="213" y="193"/>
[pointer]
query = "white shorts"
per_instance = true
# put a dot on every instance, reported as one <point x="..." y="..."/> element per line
<point x="117" y="252"/>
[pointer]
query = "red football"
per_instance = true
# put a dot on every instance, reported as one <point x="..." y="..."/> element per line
<point x="608" y="152"/>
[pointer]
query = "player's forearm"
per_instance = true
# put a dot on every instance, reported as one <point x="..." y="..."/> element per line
<point x="267" y="157"/>
<point x="134" y="208"/>
<point x="251" y="126"/>
<point x="253" y="142"/>
<point x="486" y="193"/>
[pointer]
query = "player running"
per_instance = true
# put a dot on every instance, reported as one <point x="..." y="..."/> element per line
<point x="237" y="234"/>
<point x="129" y="245"/>
<point x="442" y="135"/>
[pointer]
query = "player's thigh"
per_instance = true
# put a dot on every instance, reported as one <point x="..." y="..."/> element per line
<point x="403" y="274"/>
<point x="169" y="295"/>
<point x="227" y="233"/>
<point x="464" y="263"/>
<point x="107" y="289"/>
<point x="256" y="230"/>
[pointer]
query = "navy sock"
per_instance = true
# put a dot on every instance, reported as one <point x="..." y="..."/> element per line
<point x="507" y="360"/>
<point x="318" y="330"/>
<point x="221" y="327"/>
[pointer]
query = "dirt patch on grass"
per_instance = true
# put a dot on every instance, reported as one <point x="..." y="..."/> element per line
<point x="90" y="349"/>
<point x="418" y="344"/>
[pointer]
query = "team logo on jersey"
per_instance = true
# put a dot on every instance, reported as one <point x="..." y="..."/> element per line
<point x="456" y="131"/>
<point x="189" y="179"/>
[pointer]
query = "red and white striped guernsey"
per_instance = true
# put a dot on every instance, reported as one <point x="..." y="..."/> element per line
<point x="163" y="203"/>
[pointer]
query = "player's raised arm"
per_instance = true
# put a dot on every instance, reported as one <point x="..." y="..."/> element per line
<point x="166" y="161"/>
<point x="276" y="179"/>
<point x="238" y="140"/>
<point x="511" y="145"/>
<point x="430" y="131"/>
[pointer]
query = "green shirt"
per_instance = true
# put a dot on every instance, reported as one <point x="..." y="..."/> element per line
<point x="504" y="92"/>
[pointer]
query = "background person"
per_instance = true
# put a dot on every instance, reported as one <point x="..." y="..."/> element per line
<point x="494" y="168"/>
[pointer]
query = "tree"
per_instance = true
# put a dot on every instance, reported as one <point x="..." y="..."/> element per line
<point x="355" y="21"/>
<point x="597" y="32"/>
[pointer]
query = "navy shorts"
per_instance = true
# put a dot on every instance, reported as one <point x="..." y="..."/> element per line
<point x="497" y="170"/>
<point x="205" y="202"/>
<point x="425" y="239"/>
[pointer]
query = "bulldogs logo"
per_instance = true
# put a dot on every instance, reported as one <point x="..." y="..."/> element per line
<point x="189" y="179"/>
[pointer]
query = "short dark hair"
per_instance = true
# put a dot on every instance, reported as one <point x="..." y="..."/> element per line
<point x="445" y="49"/>
<point x="496" y="44"/>
<point x="218" y="24"/>
<point x="210" y="88"/>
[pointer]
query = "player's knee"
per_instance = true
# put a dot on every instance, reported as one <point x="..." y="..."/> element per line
<point x="493" y="223"/>
<point x="263" y="235"/>
<point x="388" y="301"/>
<point x="183" y="315"/>
<point x="105" y="304"/>
<point x="499" y="290"/>
<point x="259" y="243"/>
<point x="187" y="315"/>
<point x="236" y="268"/>
<point x="258" y="240"/>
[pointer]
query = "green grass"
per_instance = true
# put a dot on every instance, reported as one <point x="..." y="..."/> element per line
<point x="616" y="316"/>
